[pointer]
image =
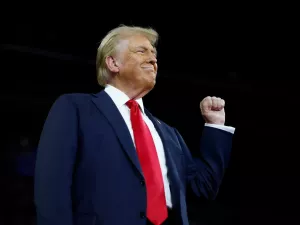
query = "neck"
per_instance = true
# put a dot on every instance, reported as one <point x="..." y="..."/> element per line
<point x="132" y="93"/>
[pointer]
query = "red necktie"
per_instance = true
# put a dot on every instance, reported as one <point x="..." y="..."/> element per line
<point x="156" y="201"/>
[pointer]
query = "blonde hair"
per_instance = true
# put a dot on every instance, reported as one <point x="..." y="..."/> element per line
<point x="109" y="43"/>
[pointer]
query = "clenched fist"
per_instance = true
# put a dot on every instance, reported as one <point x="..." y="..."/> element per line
<point x="212" y="110"/>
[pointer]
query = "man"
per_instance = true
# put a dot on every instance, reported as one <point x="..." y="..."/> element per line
<point x="103" y="159"/>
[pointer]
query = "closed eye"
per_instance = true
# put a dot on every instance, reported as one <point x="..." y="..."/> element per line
<point x="143" y="50"/>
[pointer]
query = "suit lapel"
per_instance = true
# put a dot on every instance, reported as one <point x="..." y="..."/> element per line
<point x="172" y="169"/>
<point x="105" y="104"/>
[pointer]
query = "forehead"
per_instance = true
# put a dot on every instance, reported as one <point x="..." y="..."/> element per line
<point x="135" y="42"/>
<point x="139" y="41"/>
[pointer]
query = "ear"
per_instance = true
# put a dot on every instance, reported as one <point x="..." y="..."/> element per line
<point x="112" y="65"/>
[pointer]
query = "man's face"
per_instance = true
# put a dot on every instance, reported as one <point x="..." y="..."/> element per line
<point x="137" y="63"/>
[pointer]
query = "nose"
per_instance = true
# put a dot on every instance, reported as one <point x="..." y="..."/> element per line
<point x="152" y="59"/>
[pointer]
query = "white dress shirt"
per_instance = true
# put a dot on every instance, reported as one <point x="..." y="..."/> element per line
<point x="120" y="99"/>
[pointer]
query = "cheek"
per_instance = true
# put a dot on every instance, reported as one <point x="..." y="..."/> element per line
<point x="133" y="64"/>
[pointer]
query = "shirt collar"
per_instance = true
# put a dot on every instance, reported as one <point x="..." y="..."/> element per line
<point x="120" y="98"/>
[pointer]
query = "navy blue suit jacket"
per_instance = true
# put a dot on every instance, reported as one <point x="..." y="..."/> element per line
<point x="88" y="173"/>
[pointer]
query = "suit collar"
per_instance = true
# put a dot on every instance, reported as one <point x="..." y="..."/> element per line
<point x="107" y="107"/>
<point x="120" y="98"/>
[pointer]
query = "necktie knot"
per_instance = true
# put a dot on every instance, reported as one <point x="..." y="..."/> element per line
<point x="132" y="104"/>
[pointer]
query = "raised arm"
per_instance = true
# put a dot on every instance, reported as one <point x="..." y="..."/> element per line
<point x="205" y="174"/>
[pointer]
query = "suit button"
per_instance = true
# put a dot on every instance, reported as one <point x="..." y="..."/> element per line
<point x="142" y="215"/>
<point x="142" y="182"/>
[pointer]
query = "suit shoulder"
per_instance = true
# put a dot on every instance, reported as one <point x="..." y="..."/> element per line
<point x="72" y="101"/>
<point x="75" y="98"/>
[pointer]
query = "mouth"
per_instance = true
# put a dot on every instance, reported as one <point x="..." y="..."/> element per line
<point x="150" y="68"/>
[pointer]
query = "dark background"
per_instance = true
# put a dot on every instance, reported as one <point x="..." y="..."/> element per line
<point x="246" y="60"/>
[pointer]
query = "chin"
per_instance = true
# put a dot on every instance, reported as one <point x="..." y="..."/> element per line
<point x="152" y="83"/>
<point x="149" y="86"/>
<point x="148" y="82"/>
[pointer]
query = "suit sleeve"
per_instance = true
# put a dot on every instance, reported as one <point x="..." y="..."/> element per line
<point x="205" y="174"/>
<point x="54" y="164"/>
